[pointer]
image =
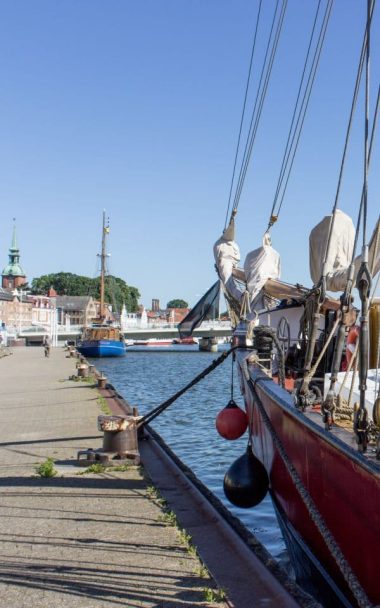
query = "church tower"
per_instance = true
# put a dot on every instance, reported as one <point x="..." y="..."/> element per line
<point x="13" y="275"/>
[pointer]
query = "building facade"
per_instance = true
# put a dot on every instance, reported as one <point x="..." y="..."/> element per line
<point x="75" y="310"/>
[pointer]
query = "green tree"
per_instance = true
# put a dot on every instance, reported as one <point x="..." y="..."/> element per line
<point x="117" y="292"/>
<point x="177" y="304"/>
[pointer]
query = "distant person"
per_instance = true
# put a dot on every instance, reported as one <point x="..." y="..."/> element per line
<point x="47" y="345"/>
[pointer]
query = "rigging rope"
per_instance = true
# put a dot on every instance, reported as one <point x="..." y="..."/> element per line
<point x="363" y="279"/>
<point x="243" y="111"/>
<point x="348" y="132"/>
<point x="260" y="97"/>
<point x="366" y="127"/>
<point x="321" y="286"/>
<point x="294" y="134"/>
<point x="369" y="161"/>
<point x="346" y="300"/>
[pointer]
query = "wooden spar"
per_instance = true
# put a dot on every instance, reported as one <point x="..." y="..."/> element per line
<point x="102" y="268"/>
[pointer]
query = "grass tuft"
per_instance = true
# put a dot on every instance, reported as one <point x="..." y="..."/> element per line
<point x="169" y="518"/>
<point x="202" y="571"/>
<point x="97" y="467"/>
<point x="214" y="595"/>
<point x="103" y="405"/>
<point x="46" y="468"/>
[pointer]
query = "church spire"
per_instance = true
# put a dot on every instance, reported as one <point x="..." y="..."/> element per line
<point x="13" y="275"/>
<point x="14" y="239"/>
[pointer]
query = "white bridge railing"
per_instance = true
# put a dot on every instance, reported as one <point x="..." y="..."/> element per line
<point x="133" y="330"/>
<point x="136" y="324"/>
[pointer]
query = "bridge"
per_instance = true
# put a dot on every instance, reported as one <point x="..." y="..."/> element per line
<point x="208" y="329"/>
<point x="60" y="333"/>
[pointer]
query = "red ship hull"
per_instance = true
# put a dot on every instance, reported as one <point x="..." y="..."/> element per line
<point x="344" y="485"/>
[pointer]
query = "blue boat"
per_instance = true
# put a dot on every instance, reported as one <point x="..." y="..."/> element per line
<point x="102" y="339"/>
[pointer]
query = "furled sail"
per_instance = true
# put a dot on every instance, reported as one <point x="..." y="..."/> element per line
<point x="227" y="258"/>
<point x="260" y="265"/>
<point x="245" y="287"/>
<point x="340" y="251"/>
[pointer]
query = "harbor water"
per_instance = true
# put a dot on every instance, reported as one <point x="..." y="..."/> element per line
<point x="147" y="376"/>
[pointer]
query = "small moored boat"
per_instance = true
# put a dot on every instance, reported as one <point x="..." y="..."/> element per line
<point x="102" y="339"/>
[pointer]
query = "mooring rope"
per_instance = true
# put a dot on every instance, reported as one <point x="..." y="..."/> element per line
<point x="336" y="552"/>
<point x="163" y="406"/>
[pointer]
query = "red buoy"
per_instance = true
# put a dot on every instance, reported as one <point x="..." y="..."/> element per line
<point x="232" y="421"/>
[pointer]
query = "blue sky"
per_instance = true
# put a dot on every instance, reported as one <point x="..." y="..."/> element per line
<point x="134" y="106"/>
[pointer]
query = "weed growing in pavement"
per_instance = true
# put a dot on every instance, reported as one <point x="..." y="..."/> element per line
<point x="46" y="468"/>
<point x="88" y="379"/>
<point x="214" y="595"/>
<point x="74" y="378"/>
<point x="119" y="467"/>
<point x="169" y="518"/>
<point x="97" y="467"/>
<point x="153" y="494"/>
<point x="202" y="571"/>
<point x="103" y="405"/>
<point x="185" y="538"/>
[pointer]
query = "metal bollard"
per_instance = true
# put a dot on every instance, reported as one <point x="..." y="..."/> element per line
<point x="83" y="370"/>
<point x="102" y="381"/>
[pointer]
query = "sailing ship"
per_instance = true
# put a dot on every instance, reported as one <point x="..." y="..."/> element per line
<point x="102" y="338"/>
<point x="298" y="352"/>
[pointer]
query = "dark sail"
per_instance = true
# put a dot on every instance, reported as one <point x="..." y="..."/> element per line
<point x="206" y="308"/>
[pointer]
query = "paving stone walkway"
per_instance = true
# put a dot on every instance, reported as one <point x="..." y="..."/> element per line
<point x="77" y="540"/>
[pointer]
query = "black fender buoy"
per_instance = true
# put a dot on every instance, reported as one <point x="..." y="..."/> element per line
<point x="246" y="481"/>
<point x="232" y="421"/>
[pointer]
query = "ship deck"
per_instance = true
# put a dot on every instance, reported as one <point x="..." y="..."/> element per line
<point x="344" y="431"/>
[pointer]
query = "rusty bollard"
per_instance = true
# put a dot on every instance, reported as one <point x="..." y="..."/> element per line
<point x="91" y="369"/>
<point x="120" y="434"/>
<point x="102" y="381"/>
<point x="83" y="370"/>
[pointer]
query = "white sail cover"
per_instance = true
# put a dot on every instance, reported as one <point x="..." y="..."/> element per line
<point x="337" y="280"/>
<point x="340" y="250"/>
<point x="260" y="265"/>
<point x="227" y="257"/>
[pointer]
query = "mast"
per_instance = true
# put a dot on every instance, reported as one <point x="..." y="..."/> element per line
<point x="105" y="230"/>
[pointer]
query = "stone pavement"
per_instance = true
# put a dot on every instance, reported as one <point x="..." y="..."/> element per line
<point x="77" y="540"/>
